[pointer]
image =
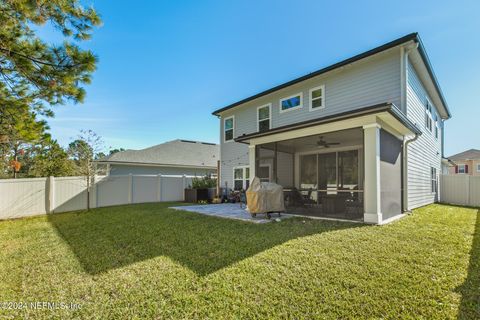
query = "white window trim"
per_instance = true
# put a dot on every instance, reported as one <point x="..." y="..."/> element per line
<point x="434" y="178"/>
<point x="244" y="178"/>
<point x="269" y="105"/>
<point x="289" y="97"/>
<point x="311" y="108"/>
<point x="429" y="114"/>
<point x="478" y="167"/>
<point x="233" y="129"/>
<point x="461" y="165"/>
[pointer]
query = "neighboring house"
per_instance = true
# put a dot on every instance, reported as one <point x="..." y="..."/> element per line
<point x="467" y="162"/>
<point x="177" y="157"/>
<point x="446" y="165"/>
<point x="361" y="139"/>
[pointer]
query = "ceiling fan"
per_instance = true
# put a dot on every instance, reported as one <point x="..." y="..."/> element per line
<point x="321" y="143"/>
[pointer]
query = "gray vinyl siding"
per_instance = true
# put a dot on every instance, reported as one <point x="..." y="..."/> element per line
<point x="116" y="170"/>
<point x="425" y="152"/>
<point x="232" y="154"/>
<point x="372" y="81"/>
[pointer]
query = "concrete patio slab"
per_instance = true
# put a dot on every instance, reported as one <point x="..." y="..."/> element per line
<point x="230" y="211"/>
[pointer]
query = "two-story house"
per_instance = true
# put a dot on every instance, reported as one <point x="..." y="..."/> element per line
<point x="361" y="139"/>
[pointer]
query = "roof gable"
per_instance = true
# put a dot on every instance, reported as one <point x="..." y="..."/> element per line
<point x="466" y="155"/>
<point x="400" y="41"/>
<point x="176" y="152"/>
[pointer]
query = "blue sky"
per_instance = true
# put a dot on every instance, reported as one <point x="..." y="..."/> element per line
<point x="164" y="66"/>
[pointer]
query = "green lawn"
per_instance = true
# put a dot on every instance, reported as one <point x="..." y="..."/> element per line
<point x="149" y="261"/>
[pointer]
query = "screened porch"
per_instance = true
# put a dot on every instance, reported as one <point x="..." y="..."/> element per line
<point x="322" y="175"/>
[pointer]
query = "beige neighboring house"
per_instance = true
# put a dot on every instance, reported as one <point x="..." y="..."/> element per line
<point x="467" y="162"/>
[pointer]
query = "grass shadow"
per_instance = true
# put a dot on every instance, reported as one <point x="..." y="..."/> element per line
<point x="470" y="289"/>
<point x="112" y="237"/>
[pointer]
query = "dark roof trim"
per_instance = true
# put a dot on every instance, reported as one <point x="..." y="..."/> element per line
<point x="199" y="142"/>
<point x="383" y="107"/>
<point x="426" y="60"/>
<point x="410" y="37"/>
<point x="132" y="163"/>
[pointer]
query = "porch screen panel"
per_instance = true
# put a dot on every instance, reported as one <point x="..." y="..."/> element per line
<point x="308" y="172"/>
<point x="348" y="170"/>
<point x="264" y="173"/>
<point x="327" y="172"/>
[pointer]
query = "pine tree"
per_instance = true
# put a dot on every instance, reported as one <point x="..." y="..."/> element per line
<point x="35" y="75"/>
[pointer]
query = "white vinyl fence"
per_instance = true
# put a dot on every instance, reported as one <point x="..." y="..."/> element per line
<point x="34" y="196"/>
<point x="460" y="189"/>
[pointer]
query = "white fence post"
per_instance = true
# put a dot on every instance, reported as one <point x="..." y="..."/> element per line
<point x="94" y="192"/>
<point x="184" y="181"/>
<point x="51" y="194"/>
<point x="467" y="182"/>
<point x="159" y="187"/>
<point x="34" y="196"/>
<point x="130" y="188"/>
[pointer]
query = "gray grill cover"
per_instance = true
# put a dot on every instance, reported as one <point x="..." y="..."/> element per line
<point x="263" y="197"/>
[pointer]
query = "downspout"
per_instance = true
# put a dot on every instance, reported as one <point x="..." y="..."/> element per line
<point x="405" y="171"/>
<point x="404" y="85"/>
<point x="220" y="192"/>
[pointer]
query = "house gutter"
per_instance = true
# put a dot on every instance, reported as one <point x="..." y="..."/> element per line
<point x="150" y="164"/>
<point x="404" y="51"/>
<point x="405" y="171"/>
<point x="382" y="48"/>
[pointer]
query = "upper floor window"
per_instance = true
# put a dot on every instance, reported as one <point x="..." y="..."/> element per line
<point x="317" y="98"/>
<point x="264" y="117"/>
<point x="291" y="103"/>
<point x="428" y="116"/>
<point x="228" y="128"/>
<point x="436" y="126"/>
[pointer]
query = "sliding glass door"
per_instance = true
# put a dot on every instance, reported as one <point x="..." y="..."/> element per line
<point x="348" y="177"/>
<point x="331" y="183"/>
<point x="327" y="172"/>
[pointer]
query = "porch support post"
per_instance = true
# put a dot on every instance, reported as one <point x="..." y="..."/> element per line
<point x="252" y="160"/>
<point x="275" y="163"/>
<point x="372" y="194"/>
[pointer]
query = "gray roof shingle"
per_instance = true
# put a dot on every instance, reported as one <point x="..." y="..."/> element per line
<point x="177" y="152"/>
<point x="469" y="154"/>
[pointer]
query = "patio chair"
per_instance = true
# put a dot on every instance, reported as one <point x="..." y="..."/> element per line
<point x="296" y="199"/>
<point x="353" y="207"/>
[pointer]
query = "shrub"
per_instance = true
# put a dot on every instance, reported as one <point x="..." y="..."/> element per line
<point x="204" y="182"/>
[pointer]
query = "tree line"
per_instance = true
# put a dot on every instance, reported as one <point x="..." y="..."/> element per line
<point x="36" y="76"/>
<point x="48" y="158"/>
